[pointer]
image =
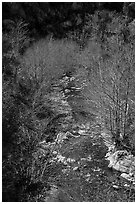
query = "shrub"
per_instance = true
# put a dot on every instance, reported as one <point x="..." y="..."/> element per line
<point x="15" y="40"/>
<point x="41" y="66"/>
<point x="110" y="83"/>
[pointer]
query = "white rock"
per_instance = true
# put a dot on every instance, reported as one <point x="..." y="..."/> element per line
<point x="112" y="159"/>
<point x="60" y="158"/>
<point x="126" y="185"/>
<point x="64" y="170"/>
<point x="111" y="148"/>
<point x="54" y="152"/>
<point x="120" y="167"/>
<point x="127" y="176"/>
<point x="98" y="169"/>
<point x="115" y="186"/>
<point x="87" y="179"/>
<point x="121" y="161"/>
<point x="70" y="160"/>
<point x="87" y="175"/>
<point x="89" y="158"/>
<point x="75" y="168"/>
<point x="83" y="159"/>
<point x="43" y="142"/>
<point x="81" y="132"/>
<point x="107" y="155"/>
<point x="68" y="135"/>
<point x="60" y="137"/>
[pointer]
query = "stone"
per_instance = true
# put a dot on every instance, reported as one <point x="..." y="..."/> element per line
<point x="81" y="132"/>
<point x="127" y="177"/>
<point x="60" y="137"/>
<point x="115" y="186"/>
<point x="75" y="168"/>
<point x="122" y="161"/>
<point x="55" y="152"/>
<point x="119" y="167"/>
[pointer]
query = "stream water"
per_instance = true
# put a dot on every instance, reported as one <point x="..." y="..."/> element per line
<point x="82" y="173"/>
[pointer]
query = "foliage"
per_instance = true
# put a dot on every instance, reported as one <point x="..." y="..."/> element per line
<point x="30" y="96"/>
<point x="53" y="86"/>
<point x="112" y="66"/>
<point x="59" y="18"/>
<point x="49" y="58"/>
<point x="10" y="113"/>
<point x="14" y="40"/>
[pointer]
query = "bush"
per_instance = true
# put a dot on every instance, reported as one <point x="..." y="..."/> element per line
<point x="41" y="66"/>
<point x="10" y="113"/>
<point x="48" y="59"/>
<point x="15" y="40"/>
<point x="110" y="83"/>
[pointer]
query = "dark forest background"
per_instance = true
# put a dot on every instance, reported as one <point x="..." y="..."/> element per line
<point x="59" y="18"/>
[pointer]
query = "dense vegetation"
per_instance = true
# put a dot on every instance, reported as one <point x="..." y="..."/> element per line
<point x="65" y="65"/>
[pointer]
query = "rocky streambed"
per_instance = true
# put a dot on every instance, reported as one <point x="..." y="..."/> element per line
<point x="76" y="163"/>
<point x="80" y="171"/>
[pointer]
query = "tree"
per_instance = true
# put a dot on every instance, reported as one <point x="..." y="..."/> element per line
<point x="111" y="85"/>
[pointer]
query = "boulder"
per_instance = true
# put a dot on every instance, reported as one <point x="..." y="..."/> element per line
<point x="128" y="177"/>
<point x="121" y="161"/>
